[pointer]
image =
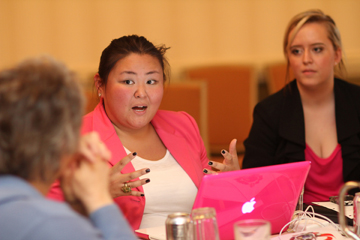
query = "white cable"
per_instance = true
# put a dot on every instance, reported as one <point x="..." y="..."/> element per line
<point x="309" y="216"/>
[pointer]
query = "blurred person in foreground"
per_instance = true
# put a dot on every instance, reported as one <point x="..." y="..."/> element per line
<point x="316" y="117"/>
<point x="130" y="83"/>
<point x="40" y="118"/>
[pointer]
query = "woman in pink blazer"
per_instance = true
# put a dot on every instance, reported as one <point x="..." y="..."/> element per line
<point x="130" y="84"/>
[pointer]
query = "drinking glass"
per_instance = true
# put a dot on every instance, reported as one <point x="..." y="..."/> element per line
<point x="300" y="204"/>
<point x="252" y="229"/>
<point x="293" y="227"/>
<point x="204" y="224"/>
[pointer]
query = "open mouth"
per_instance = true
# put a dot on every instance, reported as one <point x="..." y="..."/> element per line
<point x="139" y="108"/>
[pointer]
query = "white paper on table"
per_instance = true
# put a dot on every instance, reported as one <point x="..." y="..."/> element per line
<point x="349" y="210"/>
<point x="326" y="232"/>
<point x="155" y="233"/>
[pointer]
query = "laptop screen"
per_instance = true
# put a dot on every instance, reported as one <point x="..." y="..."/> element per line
<point x="269" y="193"/>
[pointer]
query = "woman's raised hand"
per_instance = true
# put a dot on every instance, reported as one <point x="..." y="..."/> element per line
<point x="230" y="163"/>
<point x="121" y="183"/>
<point x="88" y="178"/>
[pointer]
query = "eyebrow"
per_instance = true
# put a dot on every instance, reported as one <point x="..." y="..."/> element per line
<point x="131" y="72"/>
<point x="314" y="44"/>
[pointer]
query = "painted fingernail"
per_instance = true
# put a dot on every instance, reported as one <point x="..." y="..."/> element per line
<point x="223" y="152"/>
<point x="210" y="163"/>
<point x="147" y="180"/>
<point x="142" y="195"/>
<point x="134" y="153"/>
<point x="147" y="170"/>
<point x="205" y="171"/>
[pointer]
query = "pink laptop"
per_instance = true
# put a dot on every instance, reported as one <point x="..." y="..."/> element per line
<point x="269" y="193"/>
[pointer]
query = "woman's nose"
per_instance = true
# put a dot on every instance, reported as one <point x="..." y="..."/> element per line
<point x="307" y="58"/>
<point x="140" y="92"/>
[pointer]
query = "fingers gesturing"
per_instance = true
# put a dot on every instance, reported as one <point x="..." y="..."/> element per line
<point x="122" y="183"/>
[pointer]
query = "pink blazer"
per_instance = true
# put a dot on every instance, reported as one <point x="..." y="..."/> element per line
<point x="180" y="135"/>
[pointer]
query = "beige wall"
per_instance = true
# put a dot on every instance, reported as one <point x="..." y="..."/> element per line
<point x="198" y="31"/>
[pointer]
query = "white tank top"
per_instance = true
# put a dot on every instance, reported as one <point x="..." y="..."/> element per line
<point x="170" y="189"/>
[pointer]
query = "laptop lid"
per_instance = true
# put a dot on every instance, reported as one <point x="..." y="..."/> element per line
<point x="269" y="193"/>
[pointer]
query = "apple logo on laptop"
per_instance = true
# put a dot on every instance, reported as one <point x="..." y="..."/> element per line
<point x="248" y="207"/>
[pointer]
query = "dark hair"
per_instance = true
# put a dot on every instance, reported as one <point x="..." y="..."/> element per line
<point x="124" y="46"/>
<point x="314" y="16"/>
<point x="40" y="118"/>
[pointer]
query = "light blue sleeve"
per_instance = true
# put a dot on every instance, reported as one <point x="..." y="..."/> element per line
<point x="116" y="228"/>
<point x="107" y="223"/>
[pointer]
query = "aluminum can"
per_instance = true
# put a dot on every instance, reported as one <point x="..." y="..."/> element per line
<point x="356" y="220"/>
<point x="178" y="226"/>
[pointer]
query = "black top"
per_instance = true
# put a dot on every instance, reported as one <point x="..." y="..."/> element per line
<point x="278" y="132"/>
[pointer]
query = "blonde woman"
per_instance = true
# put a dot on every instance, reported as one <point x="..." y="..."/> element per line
<point x="316" y="117"/>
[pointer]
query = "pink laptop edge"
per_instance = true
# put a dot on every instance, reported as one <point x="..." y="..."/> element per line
<point x="274" y="189"/>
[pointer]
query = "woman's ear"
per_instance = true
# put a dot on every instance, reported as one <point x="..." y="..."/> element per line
<point x="98" y="84"/>
<point x="338" y="56"/>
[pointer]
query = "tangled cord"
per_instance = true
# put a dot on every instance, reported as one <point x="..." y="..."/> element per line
<point x="308" y="216"/>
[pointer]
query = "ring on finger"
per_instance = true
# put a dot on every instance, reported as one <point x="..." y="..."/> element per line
<point x="126" y="188"/>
